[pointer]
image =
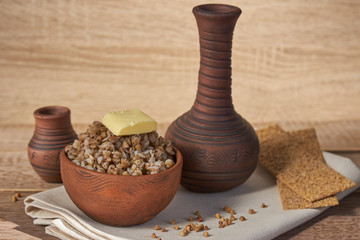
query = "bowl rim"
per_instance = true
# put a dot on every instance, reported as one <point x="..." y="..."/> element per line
<point x="179" y="161"/>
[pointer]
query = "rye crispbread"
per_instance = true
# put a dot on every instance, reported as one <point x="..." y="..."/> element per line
<point x="296" y="160"/>
<point x="292" y="200"/>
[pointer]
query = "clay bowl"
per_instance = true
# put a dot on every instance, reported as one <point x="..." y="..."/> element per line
<point x="120" y="200"/>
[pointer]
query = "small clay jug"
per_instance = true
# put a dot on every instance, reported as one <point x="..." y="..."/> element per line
<point x="220" y="148"/>
<point x="53" y="131"/>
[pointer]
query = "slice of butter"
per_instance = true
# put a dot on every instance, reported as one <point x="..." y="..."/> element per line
<point x="129" y="122"/>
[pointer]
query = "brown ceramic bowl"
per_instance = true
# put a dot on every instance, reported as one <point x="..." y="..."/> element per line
<point x="120" y="200"/>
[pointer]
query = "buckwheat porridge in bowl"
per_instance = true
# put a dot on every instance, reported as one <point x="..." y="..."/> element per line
<point x="120" y="172"/>
<point x="138" y="154"/>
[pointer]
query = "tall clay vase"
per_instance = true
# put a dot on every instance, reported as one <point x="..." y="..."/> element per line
<point x="53" y="131"/>
<point x="220" y="148"/>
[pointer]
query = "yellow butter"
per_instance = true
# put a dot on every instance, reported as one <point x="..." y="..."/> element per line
<point x="129" y="122"/>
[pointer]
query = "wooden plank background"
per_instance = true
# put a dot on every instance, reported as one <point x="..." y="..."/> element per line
<point x="294" y="62"/>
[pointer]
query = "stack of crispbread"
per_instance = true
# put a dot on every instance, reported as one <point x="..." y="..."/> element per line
<point x="295" y="159"/>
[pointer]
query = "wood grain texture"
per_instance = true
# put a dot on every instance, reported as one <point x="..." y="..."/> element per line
<point x="14" y="223"/>
<point x="17" y="173"/>
<point x="293" y="61"/>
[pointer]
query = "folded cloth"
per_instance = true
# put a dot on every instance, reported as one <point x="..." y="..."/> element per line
<point x="65" y="221"/>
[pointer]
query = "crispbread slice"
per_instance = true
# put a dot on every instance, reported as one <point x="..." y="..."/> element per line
<point x="296" y="159"/>
<point x="308" y="140"/>
<point x="314" y="181"/>
<point x="274" y="153"/>
<point x="268" y="132"/>
<point x="291" y="200"/>
<point x="281" y="151"/>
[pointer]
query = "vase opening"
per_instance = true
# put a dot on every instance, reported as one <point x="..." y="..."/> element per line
<point x="218" y="9"/>
<point x="50" y="111"/>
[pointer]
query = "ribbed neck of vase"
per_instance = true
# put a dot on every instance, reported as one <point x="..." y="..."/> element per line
<point x="216" y="23"/>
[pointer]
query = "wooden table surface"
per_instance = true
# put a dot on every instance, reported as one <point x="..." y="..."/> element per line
<point x="296" y="63"/>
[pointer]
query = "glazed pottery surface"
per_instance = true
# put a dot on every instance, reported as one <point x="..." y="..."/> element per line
<point x="53" y="131"/>
<point x="219" y="147"/>
<point x="118" y="200"/>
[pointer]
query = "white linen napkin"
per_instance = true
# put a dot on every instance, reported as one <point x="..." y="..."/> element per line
<point x="65" y="221"/>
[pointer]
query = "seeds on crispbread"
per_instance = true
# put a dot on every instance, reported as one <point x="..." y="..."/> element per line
<point x="283" y="150"/>
<point x="314" y="182"/>
<point x="292" y="200"/>
<point x="295" y="158"/>
<point x="268" y="132"/>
